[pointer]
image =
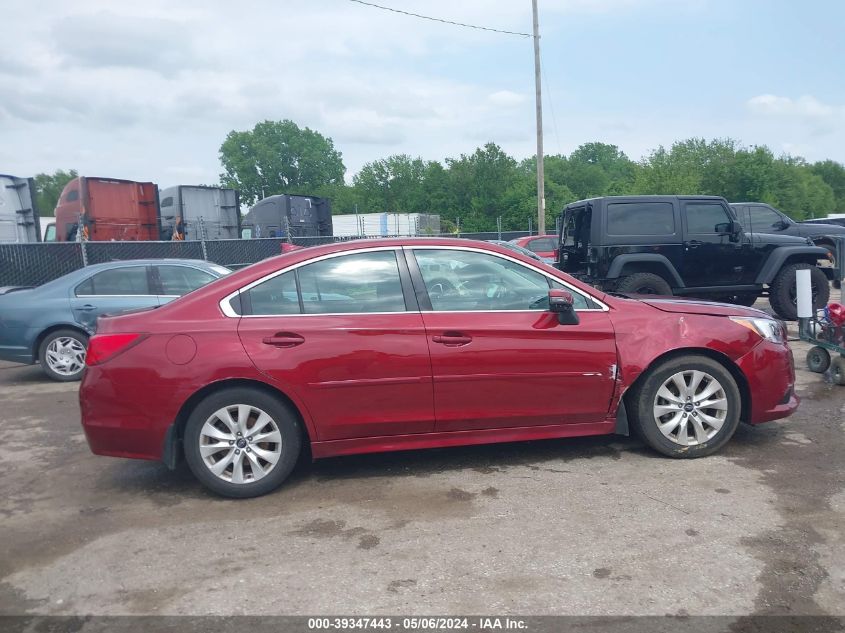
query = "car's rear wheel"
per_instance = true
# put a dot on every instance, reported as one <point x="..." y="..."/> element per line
<point x="818" y="360"/>
<point x="62" y="354"/>
<point x="686" y="407"/>
<point x="644" y="284"/>
<point x="242" y="442"/>
<point x="783" y="295"/>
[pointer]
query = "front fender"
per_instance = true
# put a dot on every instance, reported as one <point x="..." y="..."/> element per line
<point x="780" y="255"/>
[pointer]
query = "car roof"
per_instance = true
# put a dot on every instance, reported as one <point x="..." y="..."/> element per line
<point x="81" y="273"/>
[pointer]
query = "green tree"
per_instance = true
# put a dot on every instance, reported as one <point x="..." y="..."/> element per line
<point x="479" y="182"/>
<point x="833" y="174"/>
<point x="279" y="157"/>
<point x="394" y="184"/>
<point x="48" y="188"/>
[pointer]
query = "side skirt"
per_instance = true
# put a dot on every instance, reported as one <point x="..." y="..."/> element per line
<point x="388" y="443"/>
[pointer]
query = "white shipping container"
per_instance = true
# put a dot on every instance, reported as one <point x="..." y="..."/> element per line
<point x="385" y="224"/>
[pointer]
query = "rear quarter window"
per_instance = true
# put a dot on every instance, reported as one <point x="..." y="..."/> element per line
<point x="640" y="218"/>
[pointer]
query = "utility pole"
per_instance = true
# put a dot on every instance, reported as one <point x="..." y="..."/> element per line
<point x="541" y="192"/>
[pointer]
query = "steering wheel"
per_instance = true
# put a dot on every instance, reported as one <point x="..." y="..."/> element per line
<point x="440" y="287"/>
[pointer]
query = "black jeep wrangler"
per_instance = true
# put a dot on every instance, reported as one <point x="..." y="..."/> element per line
<point x="684" y="245"/>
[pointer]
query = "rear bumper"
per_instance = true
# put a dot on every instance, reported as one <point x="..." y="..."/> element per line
<point x="124" y="420"/>
<point x="770" y="372"/>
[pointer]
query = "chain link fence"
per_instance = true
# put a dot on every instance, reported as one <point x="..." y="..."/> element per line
<point x="38" y="263"/>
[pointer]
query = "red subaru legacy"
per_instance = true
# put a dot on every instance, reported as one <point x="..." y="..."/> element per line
<point x="397" y="344"/>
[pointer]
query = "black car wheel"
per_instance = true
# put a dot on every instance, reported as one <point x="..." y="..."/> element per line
<point x="783" y="293"/>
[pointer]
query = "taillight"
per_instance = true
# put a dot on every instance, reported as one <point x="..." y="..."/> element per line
<point x="103" y="347"/>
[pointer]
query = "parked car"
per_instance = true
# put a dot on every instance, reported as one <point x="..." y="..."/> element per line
<point x="685" y="245"/>
<point x="757" y="217"/>
<point x="543" y="245"/>
<point x="398" y="344"/>
<point x="517" y="249"/>
<point x="51" y="324"/>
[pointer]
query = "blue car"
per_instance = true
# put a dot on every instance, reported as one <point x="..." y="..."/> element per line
<point x="51" y="324"/>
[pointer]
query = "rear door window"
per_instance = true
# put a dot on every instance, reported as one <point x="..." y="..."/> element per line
<point x="357" y="283"/>
<point x="128" y="281"/>
<point x="180" y="280"/>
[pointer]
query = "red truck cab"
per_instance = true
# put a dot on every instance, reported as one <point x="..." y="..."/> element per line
<point x="110" y="209"/>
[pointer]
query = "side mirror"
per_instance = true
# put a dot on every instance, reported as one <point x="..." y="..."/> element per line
<point x="562" y="304"/>
<point x="781" y="225"/>
<point x="732" y="228"/>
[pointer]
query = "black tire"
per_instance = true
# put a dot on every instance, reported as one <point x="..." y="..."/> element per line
<point x="782" y="293"/>
<point x="286" y="419"/>
<point x="818" y="360"/>
<point x="837" y="370"/>
<point x="644" y="284"/>
<point x="49" y="366"/>
<point x="644" y="398"/>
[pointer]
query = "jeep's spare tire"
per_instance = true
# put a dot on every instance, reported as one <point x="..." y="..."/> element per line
<point x="644" y="284"/>
<point x="783" y="294"/>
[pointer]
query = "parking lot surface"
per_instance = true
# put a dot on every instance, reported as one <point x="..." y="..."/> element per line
<point x="584" y="526"/>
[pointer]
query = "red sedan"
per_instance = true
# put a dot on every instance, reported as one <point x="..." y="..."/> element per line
<point x="396" y="344"/>
<point x="543" y="245"/>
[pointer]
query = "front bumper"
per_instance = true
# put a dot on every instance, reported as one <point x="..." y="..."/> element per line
<point x="770" y="371"/>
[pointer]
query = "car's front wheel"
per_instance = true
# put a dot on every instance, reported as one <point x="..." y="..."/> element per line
<point x="62" y="354"/>
<point x="242" y="442"/>
<point x="687" y="406"/>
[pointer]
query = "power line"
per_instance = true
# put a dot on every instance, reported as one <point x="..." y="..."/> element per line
<point x="427" y="17"/>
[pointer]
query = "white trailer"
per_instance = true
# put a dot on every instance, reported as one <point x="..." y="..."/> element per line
<point x="18" y="216"/>
<point x="385" y="224"/>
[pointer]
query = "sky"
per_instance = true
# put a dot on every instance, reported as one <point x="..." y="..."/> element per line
<point x="149" y="90"/>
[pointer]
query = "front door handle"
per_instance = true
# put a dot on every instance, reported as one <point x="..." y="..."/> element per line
<point x="283" y="339"/>
<point x="452" y="339"/>
<point x="694" y="244"/>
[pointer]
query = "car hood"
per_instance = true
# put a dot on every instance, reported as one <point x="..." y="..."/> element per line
<point x="694" y="306"/>
<point x="817" y="228"/>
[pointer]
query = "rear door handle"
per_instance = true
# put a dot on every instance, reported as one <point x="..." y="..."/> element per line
<point x="87" y="308"/>
<point x="452" y="339"/>
<point x="283" y="339"/>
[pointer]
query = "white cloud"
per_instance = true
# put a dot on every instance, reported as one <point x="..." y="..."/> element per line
<point x="806" y="106"/>
<point x="506" y="98"/>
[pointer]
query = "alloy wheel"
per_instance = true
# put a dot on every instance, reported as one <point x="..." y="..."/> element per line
<point x="690" y="407"/>
<point x="240" y="443"/>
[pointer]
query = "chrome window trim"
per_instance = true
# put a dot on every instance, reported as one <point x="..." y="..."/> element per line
<point x="227" y="310"/>
<point x="602" y="306"/>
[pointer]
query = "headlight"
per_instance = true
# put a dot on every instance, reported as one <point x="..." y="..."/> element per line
<point x="769" y="329"/>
